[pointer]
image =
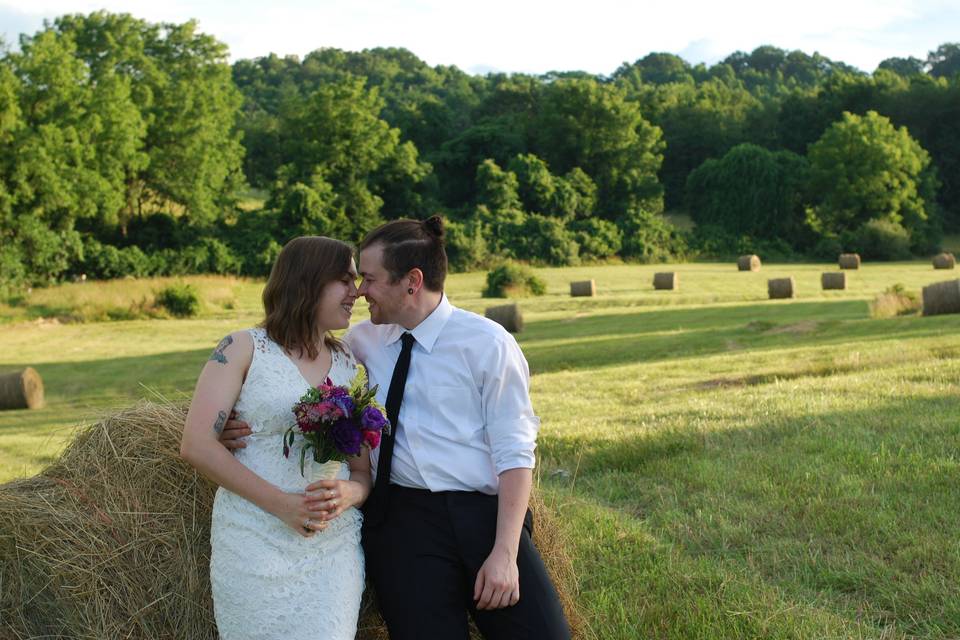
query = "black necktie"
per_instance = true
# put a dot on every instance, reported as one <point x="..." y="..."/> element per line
<point x="376" y="506"/>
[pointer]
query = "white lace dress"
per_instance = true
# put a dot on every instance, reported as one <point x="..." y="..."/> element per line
<point x="267" y="580"/>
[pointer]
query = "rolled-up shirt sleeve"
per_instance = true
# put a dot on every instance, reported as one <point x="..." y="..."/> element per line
<point x="510" y="423"/>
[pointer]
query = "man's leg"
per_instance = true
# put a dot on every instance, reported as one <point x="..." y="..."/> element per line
<point x="538" y="615"/>
<point x="413" y="563"/>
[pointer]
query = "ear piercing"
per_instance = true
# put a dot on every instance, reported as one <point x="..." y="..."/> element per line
<point x="410" y="290"/>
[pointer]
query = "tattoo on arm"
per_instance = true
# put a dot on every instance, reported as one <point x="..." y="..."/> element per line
<point x="221" y="420"/>
<point x="218" y="354"/>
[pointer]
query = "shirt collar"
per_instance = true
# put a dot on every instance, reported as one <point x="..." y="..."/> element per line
<point x="427" y="332"/>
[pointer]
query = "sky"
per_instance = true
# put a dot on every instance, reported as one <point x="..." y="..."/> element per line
<point x="536" y="36"/>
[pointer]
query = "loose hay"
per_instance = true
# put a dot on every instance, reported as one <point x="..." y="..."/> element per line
<point x="21" y="389"/>
<point x="748" y="263"/>
<point x="507" y="316"/>
<point x="113" y="540"/>
<point x="778" y="288"/>
<point x="833" y="280"/>
<point x="941" y="297"/>
<point x="849" y="260"/>
<point x="669" y="281"/>
<point x="585" y="288"/>
<point x="944" y="261"/>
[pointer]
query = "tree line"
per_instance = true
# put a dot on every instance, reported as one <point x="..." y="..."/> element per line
<point x="125" y="146"/>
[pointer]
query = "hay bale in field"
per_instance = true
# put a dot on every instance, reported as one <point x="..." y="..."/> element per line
<point x="778" y="288"/>
<point x="21" y="389"/>
<point x="668" y="280"/>
<point x="941" y="297"/>
<point x="585" y="288"/>
<point x="944" y="261"/>
<point x="507" y="316"/>
<point x="833" y="280"/>
<point x="849" y="260"/>
<point x="112" y="540"/>
<point x="748" y="263"/>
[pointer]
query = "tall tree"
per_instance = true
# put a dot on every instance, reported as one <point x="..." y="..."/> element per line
<point x="863" y="168"/>
<point x="593" y="126"/>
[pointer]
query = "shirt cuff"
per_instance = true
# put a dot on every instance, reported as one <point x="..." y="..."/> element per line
<point x="512" y="443"/>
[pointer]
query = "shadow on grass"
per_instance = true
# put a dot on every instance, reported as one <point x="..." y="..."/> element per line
<point x="602" y="341"/>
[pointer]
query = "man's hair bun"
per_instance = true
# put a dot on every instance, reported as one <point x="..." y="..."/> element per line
<point x="434" y="226"/>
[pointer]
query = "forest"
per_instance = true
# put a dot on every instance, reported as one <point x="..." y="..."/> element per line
<point x="130" y="148"/>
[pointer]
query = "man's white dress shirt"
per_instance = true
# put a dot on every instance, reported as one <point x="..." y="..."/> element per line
<point x="466" y="415"/>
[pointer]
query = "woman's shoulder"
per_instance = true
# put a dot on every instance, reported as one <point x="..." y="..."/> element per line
<point x="237" y="345"/>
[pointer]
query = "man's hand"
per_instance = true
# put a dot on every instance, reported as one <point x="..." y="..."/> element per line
<point x="233" y="432"/>
<point x="498" y="581"/>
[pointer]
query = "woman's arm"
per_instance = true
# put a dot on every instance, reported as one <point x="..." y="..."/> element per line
<point x="217" y="390"/>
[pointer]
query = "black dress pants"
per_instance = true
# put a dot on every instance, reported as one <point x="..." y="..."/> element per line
<point x="424" y="559"/>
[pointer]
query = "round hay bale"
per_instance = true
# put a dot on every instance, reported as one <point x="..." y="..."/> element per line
<point x="585" y="288"/>
<point x="833" y="280"/>
<point x="779" y="288"/>
<point x="113" y="540"/>
<point x="944" y="261"/>
<point x="748" y="263"/>
<point x="849" y="260"/>
<point x="507" y="316"/>
<point x="668" y="281"/>
<point x="941" y="297"/>
<point x="113" y="537"/>
<point x="21" y="389"/>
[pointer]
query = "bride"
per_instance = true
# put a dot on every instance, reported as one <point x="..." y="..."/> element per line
<point x="286" y="560"/>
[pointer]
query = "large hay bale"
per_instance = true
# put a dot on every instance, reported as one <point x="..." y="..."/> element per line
<point x="748" y="263"/>
<point x="585" y="288"/>
<point x="944" y="261"/>
<point x="21" y="389"/>
<point x="778" y="288"/>
<point x="668" y="281"/>
<point x="941" y="297"/>
<point x="113" y="540"/>
<point x="833" y="280"/>
<point x="507" y="316"/>
<point x="849" y="260"/>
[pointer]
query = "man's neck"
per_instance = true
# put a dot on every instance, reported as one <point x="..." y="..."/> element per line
<point x="425" y="303"/>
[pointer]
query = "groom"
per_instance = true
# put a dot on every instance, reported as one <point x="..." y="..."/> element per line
<point x="446" y="528"/>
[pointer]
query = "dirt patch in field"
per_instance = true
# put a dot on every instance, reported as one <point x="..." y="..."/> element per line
<point x="804" y="326"/>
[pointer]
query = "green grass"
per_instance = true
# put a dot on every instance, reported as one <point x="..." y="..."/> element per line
<point x="727" y="466"/>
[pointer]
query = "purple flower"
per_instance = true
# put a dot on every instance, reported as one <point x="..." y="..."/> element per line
<point x="344" y="403"/>
<point x="346" y="437"/>
<point x="372" y="419"/>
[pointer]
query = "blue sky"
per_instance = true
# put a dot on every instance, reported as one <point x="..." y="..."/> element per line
<point x="536" y="36"/>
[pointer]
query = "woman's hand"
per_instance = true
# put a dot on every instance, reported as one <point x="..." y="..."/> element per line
<point x="296" y="513"/>
<point x="327" y="499"/>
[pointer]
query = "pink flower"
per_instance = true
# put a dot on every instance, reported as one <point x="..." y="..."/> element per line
<point x="371" y="438"/>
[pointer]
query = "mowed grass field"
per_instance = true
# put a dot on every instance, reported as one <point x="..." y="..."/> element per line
<point x="725" y="466"/>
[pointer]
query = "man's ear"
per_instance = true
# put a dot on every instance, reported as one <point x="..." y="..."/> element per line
<point x="414" y="280"/>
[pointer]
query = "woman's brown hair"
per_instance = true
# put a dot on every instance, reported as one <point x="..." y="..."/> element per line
<point x="294" y="289"/>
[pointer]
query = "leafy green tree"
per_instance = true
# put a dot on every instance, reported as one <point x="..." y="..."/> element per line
<point x="903" y="66"/>
<point x="594" y="127"/>
<point x="498" y="190"/>
<point x="944" y="62"/>
<point x="751" y="191"/>
<point x="863" y="168"/>
<point x="336" y="136"/>
<point x="597" y="238"/>
<point x="535" y="183"/>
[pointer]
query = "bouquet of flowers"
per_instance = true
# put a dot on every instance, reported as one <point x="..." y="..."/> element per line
<point x="336" y="421"/>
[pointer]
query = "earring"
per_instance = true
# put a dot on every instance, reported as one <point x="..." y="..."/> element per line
<point x="410" y="290"/>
